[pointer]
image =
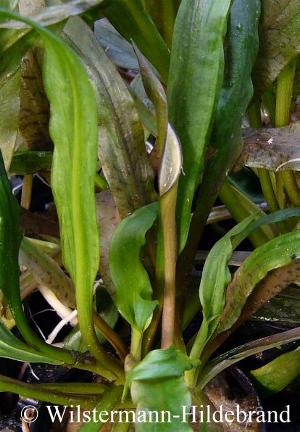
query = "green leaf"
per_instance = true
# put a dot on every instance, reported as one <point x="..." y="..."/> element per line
<point x="157" y="384"/>
<point x="164" y="13"/>
<point x="279" y="41"/>
<point x="229" y="358"/>
<point x="216" y="275"/>
<point x="122" y="150"/>
<point x="13" y="348"/>
<point x="29" y="162"/>
<point x="73" y="182"/>
<point x="280" y="372"/>
<point x="278" y="252"/>
<point x="132" y="20"/>
<point x="196" y="70"/>
<point x="236" y="93"/>
<point x="133" y="287"/>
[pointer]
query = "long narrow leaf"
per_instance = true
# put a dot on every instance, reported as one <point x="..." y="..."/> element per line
<point x="73" y="182"/>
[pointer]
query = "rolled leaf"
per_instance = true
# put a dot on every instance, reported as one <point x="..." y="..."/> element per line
<point x="133" y="287"/>
<point x="196" y="71"/>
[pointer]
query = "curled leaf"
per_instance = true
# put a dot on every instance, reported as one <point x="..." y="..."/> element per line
<point x="133" y="287"/>
<point x="171" y="162"/>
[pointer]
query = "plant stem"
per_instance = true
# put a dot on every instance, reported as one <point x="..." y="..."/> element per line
<point x="284" y="93"/>
<point x="101" y="182"/>
<point x="168" y="212"/>
<point x="110" y="335"/>
<point x="230" y="195"/>
<point x="78" y="388"/>
<point x="121" y="427"/>
<point x="136" y="344"/>
<point x="108" y="402"/>
<point x="37" y="391"/>
<point x="267" y="189"/>
<point x="26" y="191"/>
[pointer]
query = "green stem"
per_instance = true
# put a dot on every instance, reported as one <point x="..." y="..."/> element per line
<point x="110" y="335"/>
<point x="37" y="391"/>
<point x="121" y="427"/>
<point x="284" y="93"/>
<point x="254" y="116"/>
<point x="78" y="388"/>
<point x="168" y="211"/>
<point x="136" y="344"/>
<point x="101" y="182"/>
<point x="26" y="191"/>
<point x="109" y="401"/>
<point x="267" y="189"/>
<point x="230" y="196"/>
